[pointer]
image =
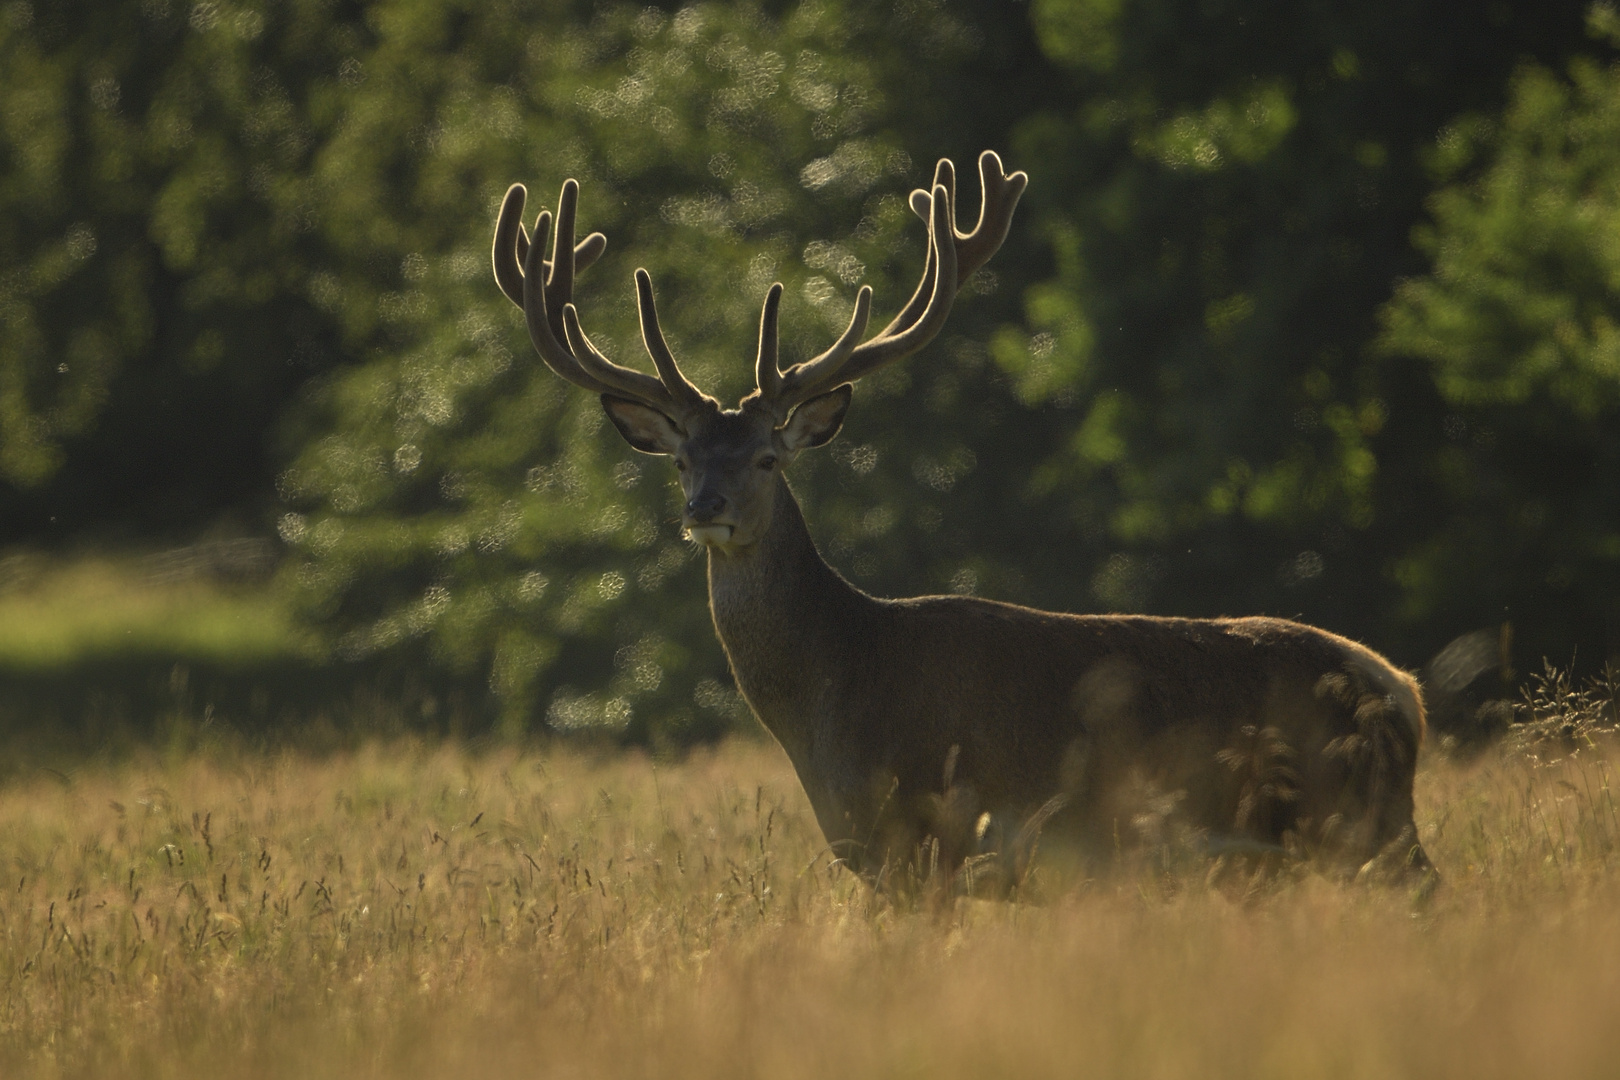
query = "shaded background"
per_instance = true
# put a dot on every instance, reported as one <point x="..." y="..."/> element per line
<point x="1311" y="310"/>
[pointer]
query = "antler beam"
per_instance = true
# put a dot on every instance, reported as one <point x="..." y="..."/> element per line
<point x="544" y="289"/>
<point x="953" y="256"/>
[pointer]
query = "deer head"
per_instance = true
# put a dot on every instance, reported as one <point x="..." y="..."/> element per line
<point x="729" y="459"/>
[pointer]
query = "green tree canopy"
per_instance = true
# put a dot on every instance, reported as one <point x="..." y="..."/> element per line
<point x="1518" y="321"/>
<point x="1229" y="193"/>
<point x="245" y="268"/>
<point x="159" y="234"/>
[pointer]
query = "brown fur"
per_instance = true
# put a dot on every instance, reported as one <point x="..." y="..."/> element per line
<point x="908" y="719"/>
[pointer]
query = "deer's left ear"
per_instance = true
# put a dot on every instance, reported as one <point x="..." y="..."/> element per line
<point x="642" y="426"/>
<point x="817" y="420"/>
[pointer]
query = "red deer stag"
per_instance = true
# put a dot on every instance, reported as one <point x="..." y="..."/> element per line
<point x="957" y="726"/>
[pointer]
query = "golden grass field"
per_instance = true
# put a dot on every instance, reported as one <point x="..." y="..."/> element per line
<point x="414" y="910"/>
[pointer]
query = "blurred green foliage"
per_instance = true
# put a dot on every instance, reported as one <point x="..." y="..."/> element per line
<point x="1519" y="322"/>
<point x="457" y="502"/>
<point x="246" y="272"/>
<point x="158" y="172"/>
<point x="1230" y="192"/>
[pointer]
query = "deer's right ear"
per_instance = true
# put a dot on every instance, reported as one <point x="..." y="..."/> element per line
<point x="644" y="428"/>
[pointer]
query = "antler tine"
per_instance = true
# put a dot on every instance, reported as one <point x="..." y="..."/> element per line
<point x="679" y="388"/>
<point x="586" y="252"/>
<point x="511" y="246"/>
<point x="511" y="249"/>
<point x="922" y="203"/>
<point x="544" y="290"/>
<point x="560" y="276"/>
<point x="805" y="380"/>
<point x="553" y="352"/>
<point x="767" y="376"/>
<point x="1000" y="195"/>
<point x="622" y="381"/>
<point x="896" y="343"/>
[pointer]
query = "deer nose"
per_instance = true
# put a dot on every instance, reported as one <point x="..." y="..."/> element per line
<point x="705" y="506"/>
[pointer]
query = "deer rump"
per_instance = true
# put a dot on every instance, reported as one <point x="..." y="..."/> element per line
<point x="978" y="726"/>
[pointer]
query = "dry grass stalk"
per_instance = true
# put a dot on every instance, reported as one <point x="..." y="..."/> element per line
<point x="1557" y="716"/>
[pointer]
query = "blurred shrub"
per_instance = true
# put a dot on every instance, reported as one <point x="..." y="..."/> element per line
<point x="245" y="270"/>
<point x="1229" y="195"/>
<point x="160" y="224"/>
<point x="455" y="500"/>
<point x="1518" y="321"/>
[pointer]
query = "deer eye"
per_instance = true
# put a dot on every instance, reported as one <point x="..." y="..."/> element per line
<point x="768" y="462"/>
<point x="680" y="466"/>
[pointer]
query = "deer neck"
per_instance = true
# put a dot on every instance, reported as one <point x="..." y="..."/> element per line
<point x="787" y="621"/>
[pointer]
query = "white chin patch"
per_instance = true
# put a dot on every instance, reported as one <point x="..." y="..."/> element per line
<point x="714" y="535"/>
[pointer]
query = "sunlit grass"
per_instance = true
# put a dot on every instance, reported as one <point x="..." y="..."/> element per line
<point x="427" y="910"/>
<point x="54" y="614"/>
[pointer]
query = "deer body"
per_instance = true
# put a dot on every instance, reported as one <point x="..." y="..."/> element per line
<point x="871" y="698"/>
<point x="963" y="725"/>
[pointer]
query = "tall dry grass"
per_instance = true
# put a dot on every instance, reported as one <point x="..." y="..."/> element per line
<point x="412" y="910"/>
